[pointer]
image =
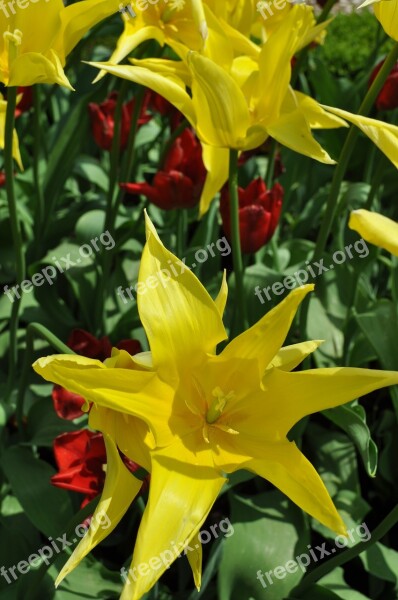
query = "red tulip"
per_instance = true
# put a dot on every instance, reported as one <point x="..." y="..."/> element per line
<point x="388" y="97"/>
<point x="2" y="178"/>
<point x="259" y="212"/>
<point x="81" y="459"/>
<point x="180" y="183"/>
<point x="68" y="405"/>
<point x="102" y="118"/>
<point x="157" y="103"/>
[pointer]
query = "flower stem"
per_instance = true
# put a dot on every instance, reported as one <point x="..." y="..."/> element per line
<point x="36" y="157"/>
<point x="15" y="231"/>
<point x="381" y="530"/>
<point x="240" y="321"/>
<point x="348" y="148"/>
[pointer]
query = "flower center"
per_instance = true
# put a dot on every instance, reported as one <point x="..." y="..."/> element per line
<point x="218" y="404"/>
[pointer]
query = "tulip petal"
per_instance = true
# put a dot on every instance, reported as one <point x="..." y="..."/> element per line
<point x="129" y="40"/>
<point x="292" y="396"/>
<point x="376" y="229"/>
<point x="184" y="487"/>
<point x="121" y="487"/>
<point x="137" y="393"/>
<point x="221" y="109"/>
<point x="264" y="339"/>
<point x="222" y="296"/>
<point x="31" y="68"/>
<point x="171" y="88"/>
<point x="289" y="357"/>
<point x="181" y="320"/>
<point x="383" y="135"/>
<point x="288" y="469"/>
<point x="387" y="13"/>
<point x="292" y="129"/>
<point x="216" y="161"/>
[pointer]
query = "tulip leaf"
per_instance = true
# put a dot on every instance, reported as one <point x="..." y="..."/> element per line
<point x="47" y="507"/>
<point x="44" y="425"/>
<point x="352" y="420"/>
<point x="380" y="327"/>
<point x="269" y="532"/>
<point x="382" y="562"/>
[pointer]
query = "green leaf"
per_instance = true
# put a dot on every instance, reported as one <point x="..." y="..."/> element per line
<point x="269" y="532"/>
<point x="335" y="582"/>
<point x="382" y="562"/>
<point x="352" y="420"/>
<point x="44" y="425"/>
<point x="47" y="507"/>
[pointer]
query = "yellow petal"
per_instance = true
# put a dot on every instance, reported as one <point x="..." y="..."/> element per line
<point x="120" y="489"/>
<point x="216" y="161"/>
<point x="181" y="320"/>
<point x="137" y="393"/>
<point x="221" y="109"/>
<point x="265" y="338"/>
<point x="184" y="487"/>
<point x="387" y="14"/>
<point x="292" y="396"/>
<point x="315" y="115"/>
<point x="288" y="469"/>
<point x="171" y="88"/>
<point x="289" y="357"/>
<point x="383" y="135"/>
<point x="293" y="131"/>
<point x="376" y="229"/>
<point x="222" y="296"/>
<point x="31" y="68"/>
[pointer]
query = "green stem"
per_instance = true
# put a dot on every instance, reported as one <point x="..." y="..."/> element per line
<point x="241" y="321"/>
<point x="181" y="229"/>
<point x="15" y="232"/>
<point x="348" y="148"/>
<point x="36" y="157"/>
<point x="34" y="330"/>
<point x="337" y="561"/>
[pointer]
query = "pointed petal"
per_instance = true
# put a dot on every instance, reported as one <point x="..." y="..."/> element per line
<point x="77" y="19"/>
<point x="184" y="487"/>
<point x="289" y="357"/>
<point x="137" y="393"/>
<point x="222" y="296"/>
<point x="315" y="115"/>
<point x="265" y="338"/>
<point x="221" y="109"/>
<point x="376" y="229"/>
<point x="383" y="135"/>
<point x="121" y="487"/>
<point x="387" y="13"/>
<point x="293" y="131"/>
<point x="292" y="396"/>
<point x="216" y="161"/>
<point x="181" y="320"/>
<point x="287" y="468"/>
<point x="171" y="88"/>
<point x="31" y="68"/>
<point x="129" y="40"/>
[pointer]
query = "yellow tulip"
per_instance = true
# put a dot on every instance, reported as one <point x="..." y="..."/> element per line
<point x="39" y="34"/>
<point x="386" y="12"/>
<point x="376" y="229"/>
<point x="190" y="416"/>
<point x="240" y="93"/>
<point x="15" y="145"/>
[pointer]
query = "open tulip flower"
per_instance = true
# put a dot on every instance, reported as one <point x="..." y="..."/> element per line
<point x="191" y="416"/>
<point x="38" y="36"/>
<point x="241" y="95"/>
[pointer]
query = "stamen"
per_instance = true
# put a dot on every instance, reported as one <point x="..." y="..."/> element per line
<point x="218" y="405"/>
